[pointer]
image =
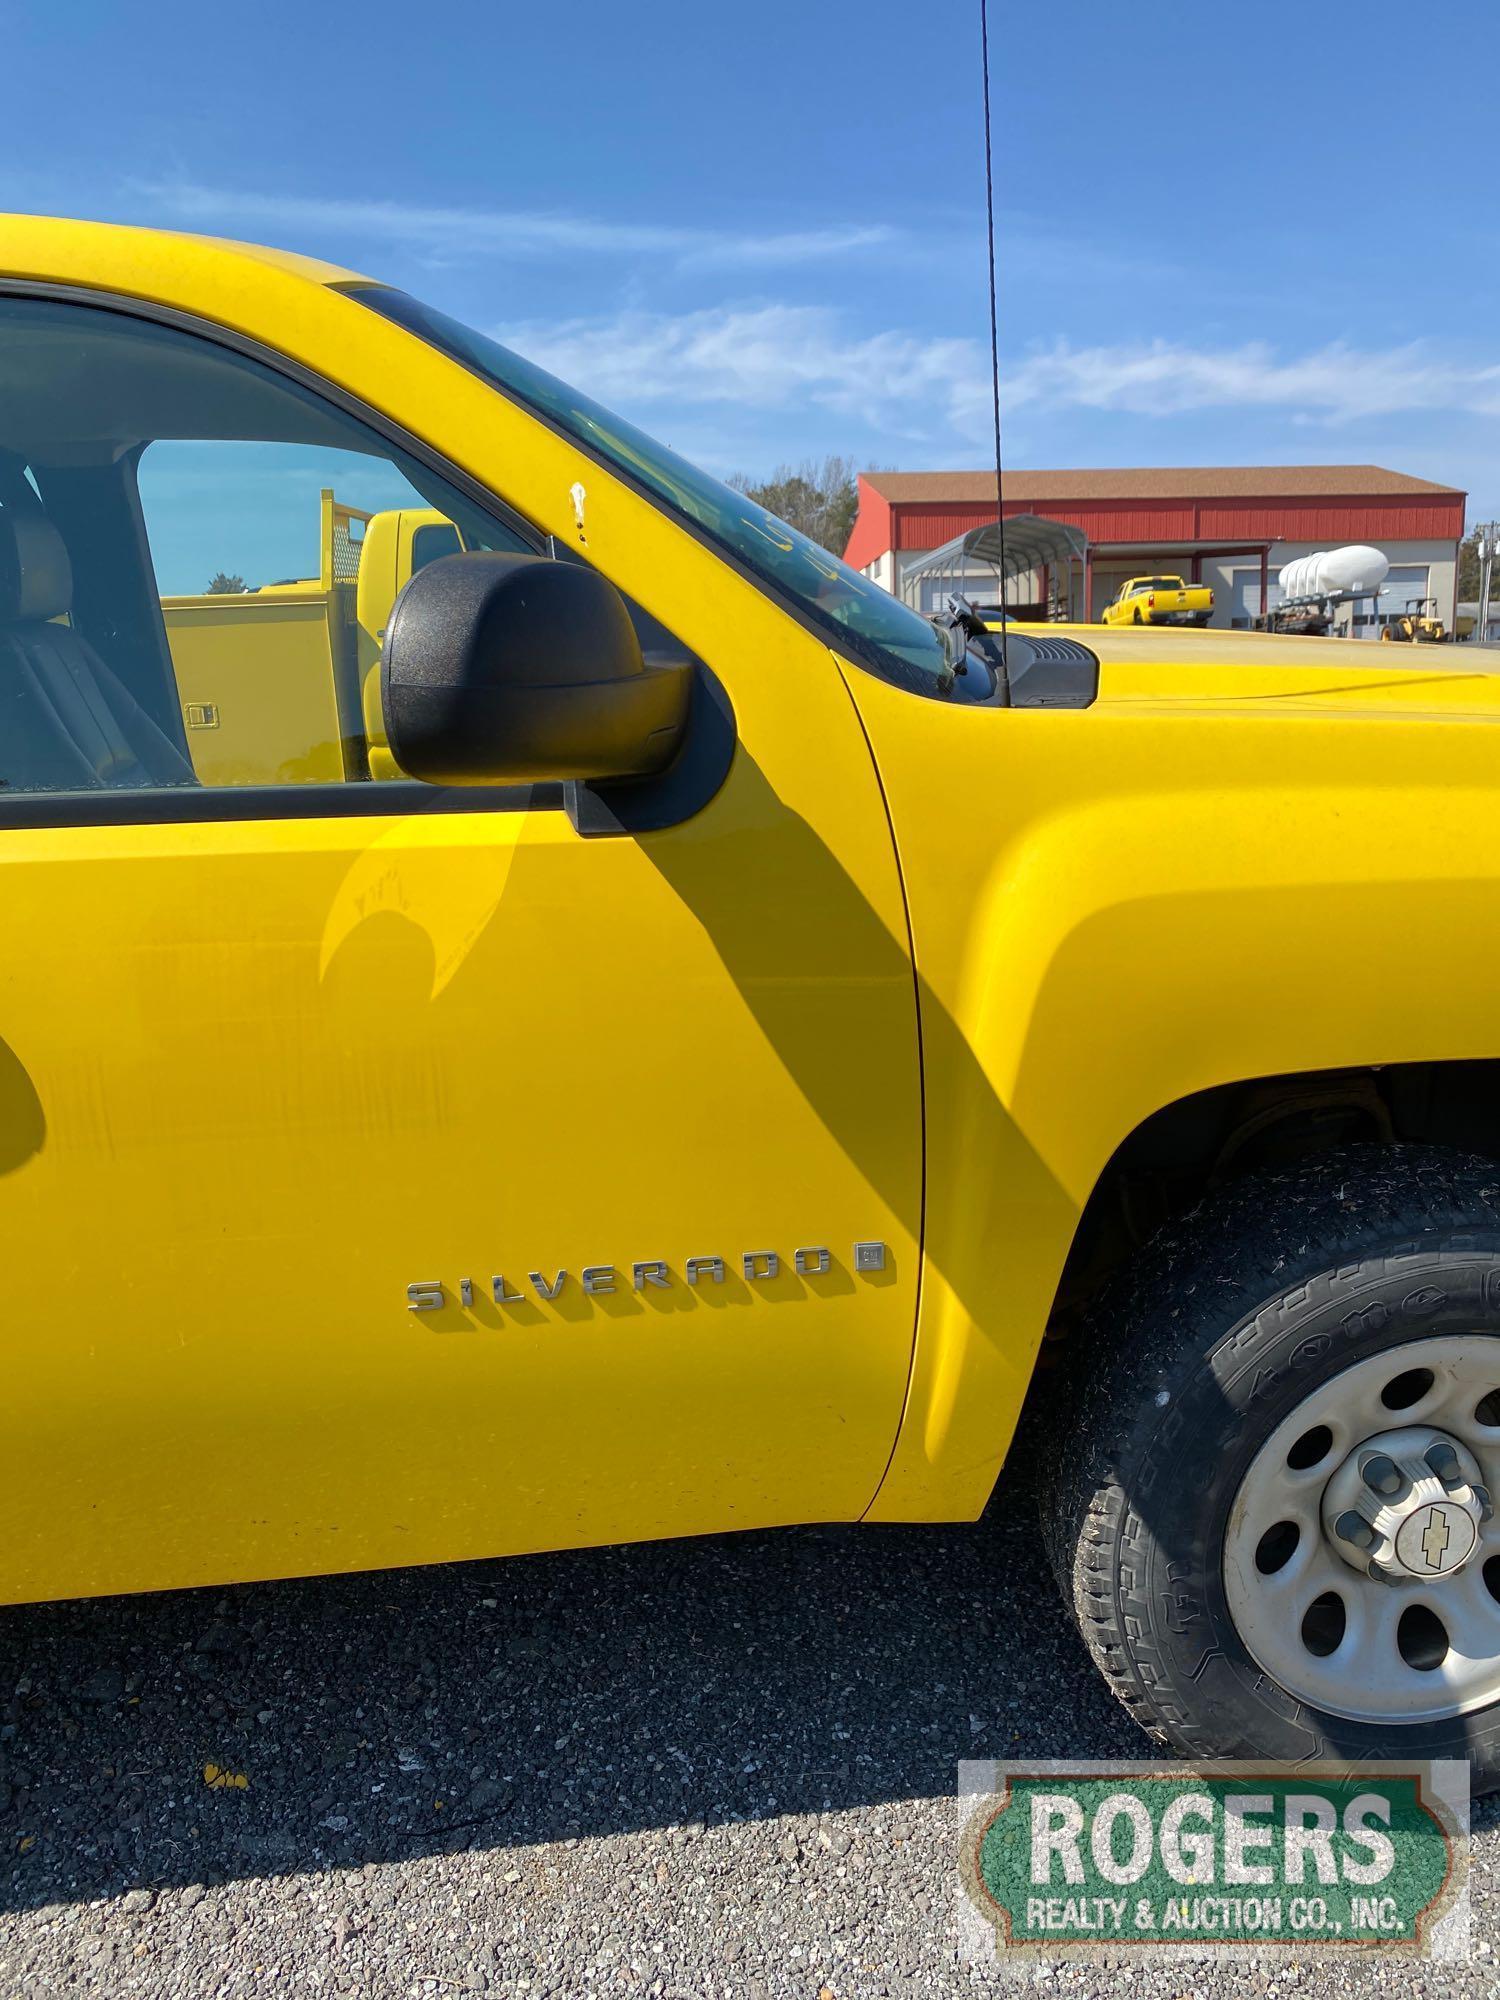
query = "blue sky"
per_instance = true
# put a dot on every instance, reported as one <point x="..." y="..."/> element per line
<point x="761" y="234"/>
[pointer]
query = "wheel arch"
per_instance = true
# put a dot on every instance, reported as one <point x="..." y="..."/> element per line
<point x="1188" y="1148"/>
<point x="1171" y="1158"/>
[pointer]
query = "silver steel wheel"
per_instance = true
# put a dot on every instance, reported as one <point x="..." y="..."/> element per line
<point x="1362" y="1556"/>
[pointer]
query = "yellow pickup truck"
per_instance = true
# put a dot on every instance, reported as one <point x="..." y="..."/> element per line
<point x="1159" y="600"/>
<point x="685" y="1043"/>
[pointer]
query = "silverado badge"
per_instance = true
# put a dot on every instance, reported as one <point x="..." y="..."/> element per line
<point x="757" y="1266"/>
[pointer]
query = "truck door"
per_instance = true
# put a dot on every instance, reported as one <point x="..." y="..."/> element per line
<point x="395" y="1175"/>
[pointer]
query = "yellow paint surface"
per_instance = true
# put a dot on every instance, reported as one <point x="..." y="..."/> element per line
<point x="258" y="1077"/>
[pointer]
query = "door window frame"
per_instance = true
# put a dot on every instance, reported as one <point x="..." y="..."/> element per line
<point x="662" y="803"/>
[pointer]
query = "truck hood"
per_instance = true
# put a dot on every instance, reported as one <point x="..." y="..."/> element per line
<point x="1259" y="672"/>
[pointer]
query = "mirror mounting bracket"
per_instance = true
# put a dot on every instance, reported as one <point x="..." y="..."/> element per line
<point x="685" y="787"/>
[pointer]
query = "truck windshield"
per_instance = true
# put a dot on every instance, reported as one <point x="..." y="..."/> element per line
<point x="857" y="615"/>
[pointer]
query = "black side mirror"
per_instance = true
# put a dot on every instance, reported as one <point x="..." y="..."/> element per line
<point x="512" y="670"/>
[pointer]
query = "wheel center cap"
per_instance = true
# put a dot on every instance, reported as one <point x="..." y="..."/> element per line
<point x="1437" y="1538"/>
<point x="1407" y="1504"/>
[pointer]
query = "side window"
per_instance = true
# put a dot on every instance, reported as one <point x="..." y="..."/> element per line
<point x="198" y="559"/>
<point x="258" y="551"/>
<point x="433" y="539"/>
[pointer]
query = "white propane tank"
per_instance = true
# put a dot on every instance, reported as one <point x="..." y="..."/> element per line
<point x="1355" y="568"/>
<point x="1331" y="572"/>
<point x="1295" y="577"/>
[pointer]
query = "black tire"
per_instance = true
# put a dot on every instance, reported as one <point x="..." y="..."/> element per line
<point x="1214" y="1335"/>
<point x="1138" y="620"/>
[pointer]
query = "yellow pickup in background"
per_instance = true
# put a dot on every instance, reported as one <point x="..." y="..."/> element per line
<point x="1159" y="600"/>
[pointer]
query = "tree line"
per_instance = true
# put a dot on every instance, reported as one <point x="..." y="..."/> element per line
<point x="819" y="498"/>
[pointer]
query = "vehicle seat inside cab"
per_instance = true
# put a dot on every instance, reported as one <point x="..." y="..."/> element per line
<point x="66" y="722"/>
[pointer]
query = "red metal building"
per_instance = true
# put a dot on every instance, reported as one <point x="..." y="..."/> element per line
<point x="1230" y="526"/>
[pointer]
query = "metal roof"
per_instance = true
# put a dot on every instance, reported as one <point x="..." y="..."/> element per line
<point x="1154" y="482"/>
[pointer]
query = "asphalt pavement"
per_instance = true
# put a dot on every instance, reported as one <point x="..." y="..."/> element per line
<point x="711" y="1768"/>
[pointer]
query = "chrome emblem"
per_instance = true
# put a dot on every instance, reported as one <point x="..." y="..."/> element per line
<point x="757" y="1267"/>
<point x="1436" y="1538"/>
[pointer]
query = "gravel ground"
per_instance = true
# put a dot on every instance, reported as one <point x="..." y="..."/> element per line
<point x="718" y="1768"/>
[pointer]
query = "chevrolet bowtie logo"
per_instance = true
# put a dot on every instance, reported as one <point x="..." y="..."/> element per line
<point x="1435" y="1538"/>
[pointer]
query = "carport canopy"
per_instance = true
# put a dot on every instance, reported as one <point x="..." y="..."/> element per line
<point x="1030" y="543"/>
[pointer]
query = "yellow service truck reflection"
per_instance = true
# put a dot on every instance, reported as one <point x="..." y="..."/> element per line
<point x="282" y="685"/>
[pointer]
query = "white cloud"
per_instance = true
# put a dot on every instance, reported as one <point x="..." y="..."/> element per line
<point x="777" y="357"/>
<point x="1337" y="382"/>
<point x="512" y="232"/>
<point x="763" y="357"/>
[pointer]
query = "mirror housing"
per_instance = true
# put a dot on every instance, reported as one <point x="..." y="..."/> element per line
<point x="516" y="670"/>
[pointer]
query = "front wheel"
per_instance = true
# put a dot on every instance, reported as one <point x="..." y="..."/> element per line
<point x="1271" y="1511"/>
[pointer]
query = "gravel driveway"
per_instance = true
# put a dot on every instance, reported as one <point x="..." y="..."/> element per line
<point x="709" y="1768"/>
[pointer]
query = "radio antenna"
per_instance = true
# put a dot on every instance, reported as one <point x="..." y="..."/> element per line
<point x="989" y="208"/>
